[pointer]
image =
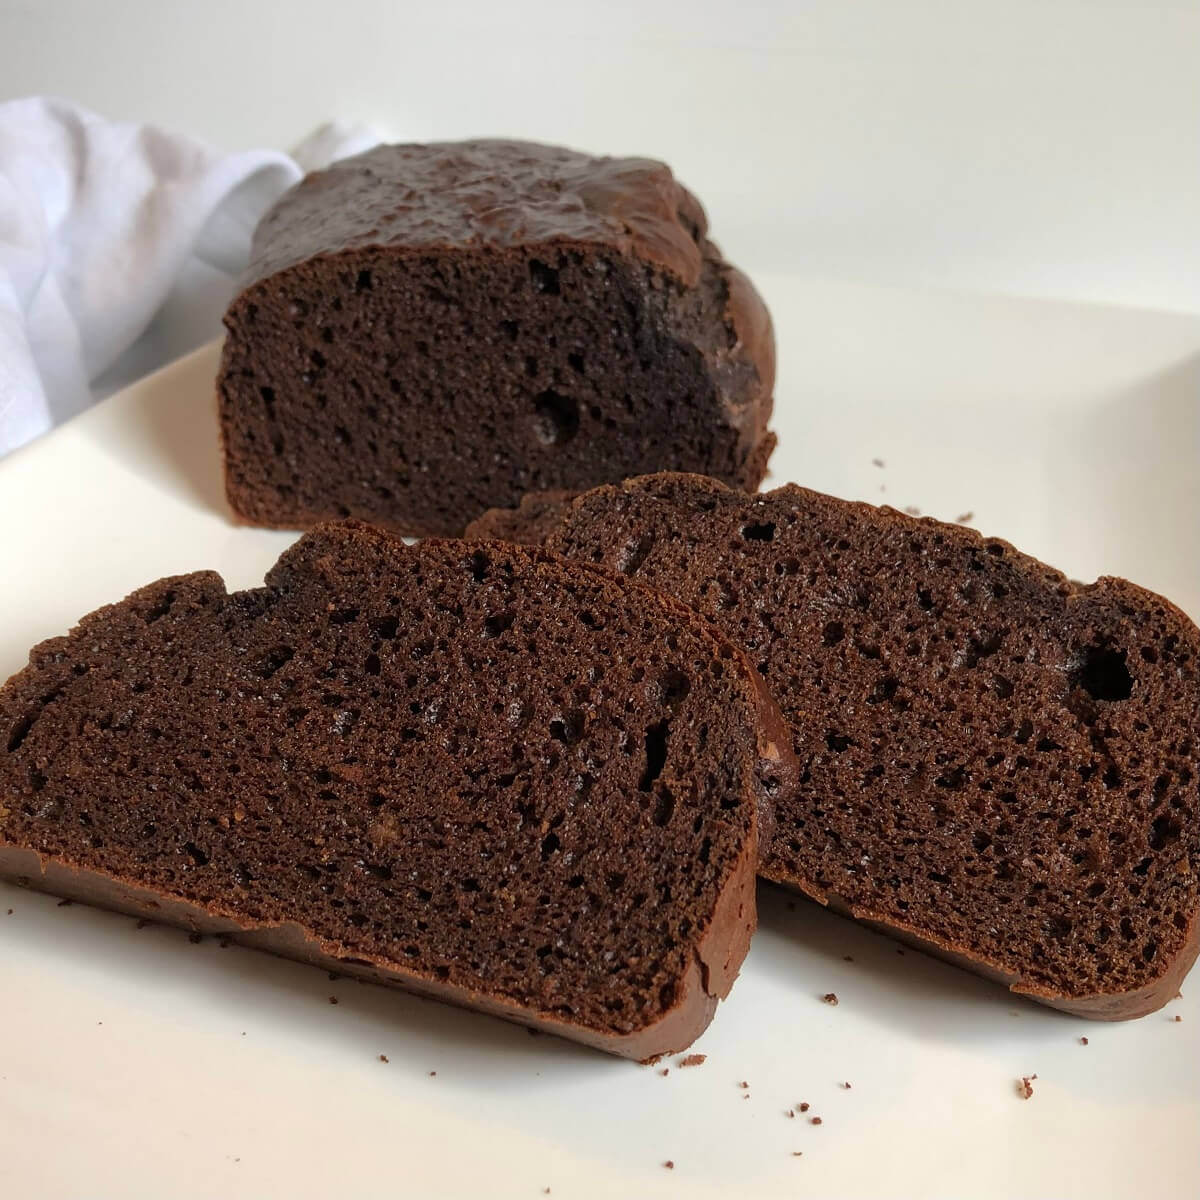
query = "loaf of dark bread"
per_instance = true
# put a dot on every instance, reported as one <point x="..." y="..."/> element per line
<point x="427" y="331"/>
<point x="471" y="771"/>
<point x="997" y="763"/>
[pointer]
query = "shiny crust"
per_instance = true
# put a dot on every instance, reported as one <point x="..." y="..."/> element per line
<point x="487" y="192"/>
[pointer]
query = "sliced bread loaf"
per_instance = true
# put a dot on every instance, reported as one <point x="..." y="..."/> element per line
<point x="425" y="331"/>
<point x="997" y="763"/>
<point x="467" y="770"/>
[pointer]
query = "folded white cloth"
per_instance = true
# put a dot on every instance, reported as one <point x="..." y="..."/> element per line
<point x="105" y="226"/>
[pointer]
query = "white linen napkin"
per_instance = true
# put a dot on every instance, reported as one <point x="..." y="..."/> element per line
<point x="106" y="226"/>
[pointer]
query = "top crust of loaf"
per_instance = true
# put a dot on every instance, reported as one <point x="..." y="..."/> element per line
<point x="486" y="192"/>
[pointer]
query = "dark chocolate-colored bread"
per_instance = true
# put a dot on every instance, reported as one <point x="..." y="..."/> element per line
<point x="428" y="331"/>
<point x="997" y="763"/>
<point x="473" y="771"/>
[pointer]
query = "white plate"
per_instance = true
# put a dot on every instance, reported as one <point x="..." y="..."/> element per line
<point x="134" y="1064"/>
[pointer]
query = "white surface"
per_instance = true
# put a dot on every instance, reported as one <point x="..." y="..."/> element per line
<point x="1041" y="147"/>
<point x="137" y="1065"/>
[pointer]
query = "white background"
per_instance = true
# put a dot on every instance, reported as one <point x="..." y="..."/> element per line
<point x="1034" y="147"/>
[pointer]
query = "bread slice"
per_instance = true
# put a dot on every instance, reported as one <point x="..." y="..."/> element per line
<point x="426" y="331"/>
<point x="474" y="772"/>
<point x="998" y="764"/>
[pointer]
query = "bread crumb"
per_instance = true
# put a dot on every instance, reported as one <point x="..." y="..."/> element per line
<point x="665" y="1071"/>
<point x="816" y="1121"/>
<point x="797" y="1153"/>
<point x="847" y="958"/>
<point x="65" y="903"/>
<point x="432" y="1074"/>
<point x="745" y="1083"/>
<point x="1083" y="1041"/>
<point x="1176" y="1017"/>
<point x="790" y="1114"/>
<point x="333" y="999"/>
<point x="877" y="462"/>
<point x="691" y="1060"/>
<point x="1025" y="1086"/>
<point x="383" y="1058"/>
<point x="10" y="912"/>
<point x="830" y="998"/>
<point x="963" y="518"/>
<point x="669" y="1164"/>
<point x="846" y="1085"/>
<point x="804" y="1106"/>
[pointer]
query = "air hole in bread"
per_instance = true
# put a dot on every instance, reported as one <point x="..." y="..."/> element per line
<point x="556" y="418"/>
<point x="1102" y="673"/>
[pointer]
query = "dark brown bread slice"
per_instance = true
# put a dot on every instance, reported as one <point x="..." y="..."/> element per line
<point x="472" y="771"/>
<point x="998" y="764"/>
<point x="427" y="331"/>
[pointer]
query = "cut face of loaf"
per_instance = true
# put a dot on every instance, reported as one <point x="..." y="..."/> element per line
<point x="467" y="770"/>
<point x="425" y="332"/>
<point x="997" y="764"/>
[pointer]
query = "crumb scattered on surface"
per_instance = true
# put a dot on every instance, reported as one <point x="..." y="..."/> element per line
<point x="669" y="1164"/>
<point x="912" y="510"/>
<point x="1025" y="1086"/>
<point x="963" y="518"/>
<point x="847" y="958"/>
<point x="1083" y="1041"/>
<point x="432" y="1074"/>
<point x="10" y="912"/>
<point x="691" y="1060"/>
<point x="797" y="1153"/>
<point x="383" y="1058"/>
<point x="830" y="998"/>
<point x="1176" y="1017"/>
<point x="665" y="1071"/>
<point x="790" y="1114"/>
<point x="816" y="1121"/>
<point x="877" y="462"/>
<point x="745" y="1083"/>
<point x="745" y="1095"/>
<point x="333" y="999"/>
<point x="804" y="1106"/>
<point x="65" y="903"/>
<point x="846" y="1085"/>
<point x="195" y="938"/>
